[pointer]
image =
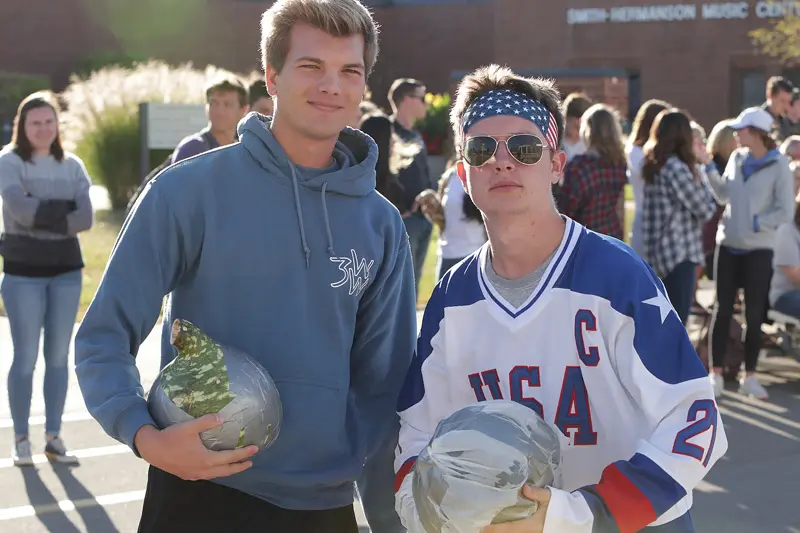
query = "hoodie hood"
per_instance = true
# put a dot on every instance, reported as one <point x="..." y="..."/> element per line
<point x="355" y="156"/>
<point x="751" y="165"/>
<point x="355" y="152"/>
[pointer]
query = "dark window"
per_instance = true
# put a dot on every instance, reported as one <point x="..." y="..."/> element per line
<point x="750" y="87"/>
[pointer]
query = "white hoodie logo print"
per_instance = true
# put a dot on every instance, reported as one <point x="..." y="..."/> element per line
<point x="355" y="272"/>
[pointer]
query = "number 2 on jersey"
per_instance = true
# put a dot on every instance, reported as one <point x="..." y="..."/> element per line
<point x="708" y="421"/>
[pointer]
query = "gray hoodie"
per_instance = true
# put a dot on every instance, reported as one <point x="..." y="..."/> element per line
<point x="756" y="205"/>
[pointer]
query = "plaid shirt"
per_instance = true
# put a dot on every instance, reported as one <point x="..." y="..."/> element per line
<point x="675" y="207"/>
<point x="591" y="192"/>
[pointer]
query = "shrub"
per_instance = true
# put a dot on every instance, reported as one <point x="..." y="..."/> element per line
<point x="435" y="127"/>
<point x="101" y="122"/>
<point x="84" y="67"/>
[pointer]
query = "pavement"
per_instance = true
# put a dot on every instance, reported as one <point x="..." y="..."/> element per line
<point x="752" y="489"/>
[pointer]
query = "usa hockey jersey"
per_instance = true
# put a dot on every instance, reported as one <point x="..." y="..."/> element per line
<point x="598" y="351"/>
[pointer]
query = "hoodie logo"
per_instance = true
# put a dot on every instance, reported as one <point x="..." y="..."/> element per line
<point x="355" y="272"/>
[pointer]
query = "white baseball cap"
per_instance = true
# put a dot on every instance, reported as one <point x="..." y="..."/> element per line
<point x="754" y="117"/>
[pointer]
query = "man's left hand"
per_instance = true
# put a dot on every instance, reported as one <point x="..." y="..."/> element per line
<point x="532" y="524"/>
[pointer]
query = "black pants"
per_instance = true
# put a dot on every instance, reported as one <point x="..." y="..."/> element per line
<point x="753" y="272"/>
<point x="172" y="505"/>
<point x="680" y="288"/>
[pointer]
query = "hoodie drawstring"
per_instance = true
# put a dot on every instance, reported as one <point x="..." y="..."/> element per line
<point x="299" y="209"/>
<point x="306" y="249"/>
<point x="327" y="221"/>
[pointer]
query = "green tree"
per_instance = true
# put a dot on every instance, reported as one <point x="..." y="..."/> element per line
<point x="781" y="39"/>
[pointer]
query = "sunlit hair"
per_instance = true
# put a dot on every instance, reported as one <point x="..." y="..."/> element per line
<point x="340" y="18"/>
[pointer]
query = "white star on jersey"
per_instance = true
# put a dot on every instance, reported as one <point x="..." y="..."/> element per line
<point x="660" y="301"/>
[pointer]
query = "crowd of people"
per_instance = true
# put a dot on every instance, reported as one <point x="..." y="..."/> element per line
<point x="722" y="207"/>
<point x="298" y="182"/>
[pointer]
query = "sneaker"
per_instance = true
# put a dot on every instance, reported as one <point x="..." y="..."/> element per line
<point x="21" y="453"/>
<point x="717" y="383"/>
<point x="57" y="452"/>
<point x="750" y="386"/>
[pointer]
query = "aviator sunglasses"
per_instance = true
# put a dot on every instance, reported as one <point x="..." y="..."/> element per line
<point x="524" y="147"/>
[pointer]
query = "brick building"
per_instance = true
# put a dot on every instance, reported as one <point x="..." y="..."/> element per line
<point x="696" y="55"/>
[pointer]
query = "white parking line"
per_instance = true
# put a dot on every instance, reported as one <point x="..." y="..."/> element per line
<point x="80" y="416"/>
<point x="100" y="451"/>
<point x="13" y="513"/>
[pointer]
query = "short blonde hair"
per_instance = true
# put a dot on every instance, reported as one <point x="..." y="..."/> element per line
<point x="493" y="77"/>
<point x="340" y="18"/>
<point x="601" y="132"/>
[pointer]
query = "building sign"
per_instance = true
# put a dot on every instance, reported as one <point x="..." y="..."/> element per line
<point x="680" y="12"/>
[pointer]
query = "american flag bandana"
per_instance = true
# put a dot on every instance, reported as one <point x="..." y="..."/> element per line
<point x="506" y="102"/>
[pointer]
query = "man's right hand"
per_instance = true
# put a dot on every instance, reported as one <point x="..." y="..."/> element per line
<point x="179" y="451"/>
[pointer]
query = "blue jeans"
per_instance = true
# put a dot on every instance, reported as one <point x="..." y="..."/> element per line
<point x="680" y="288"/>
<point x="788" y="303"/>
<point x="419" y="237"/>
<point x="33" y="304"/>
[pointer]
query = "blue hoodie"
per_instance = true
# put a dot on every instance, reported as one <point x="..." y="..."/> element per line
<point x="307" y="271"/>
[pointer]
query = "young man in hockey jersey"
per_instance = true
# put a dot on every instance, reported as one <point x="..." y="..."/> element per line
<point x="568" y="322"/>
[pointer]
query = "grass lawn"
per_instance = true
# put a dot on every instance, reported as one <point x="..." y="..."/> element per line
<point x="428" y="273"/>
<point x="628" y="193"/>
<point x="96" y="245"/>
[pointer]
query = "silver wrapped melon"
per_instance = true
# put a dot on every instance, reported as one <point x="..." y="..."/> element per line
<point x="472" y="471"/>
<point x="208" y="378"/>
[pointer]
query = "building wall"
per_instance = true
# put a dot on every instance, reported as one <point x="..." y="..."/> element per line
<point x="46" y="37"/>
<point x="695" y="64"/>
<point x="429" y="42"/>
<point x="690" y="63"/>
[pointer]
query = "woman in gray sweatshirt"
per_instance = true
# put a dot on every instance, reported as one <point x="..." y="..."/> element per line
<point x="757" y="191"/>
<point x="45" y="194"/>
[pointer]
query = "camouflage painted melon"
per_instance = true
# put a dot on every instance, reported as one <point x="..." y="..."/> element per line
<point x="207" y="378"/>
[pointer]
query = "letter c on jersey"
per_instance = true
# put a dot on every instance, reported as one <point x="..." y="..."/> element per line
<point x="585" y="320"/>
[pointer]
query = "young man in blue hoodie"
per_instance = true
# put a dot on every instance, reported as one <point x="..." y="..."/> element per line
<point x="280" y="246"/>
